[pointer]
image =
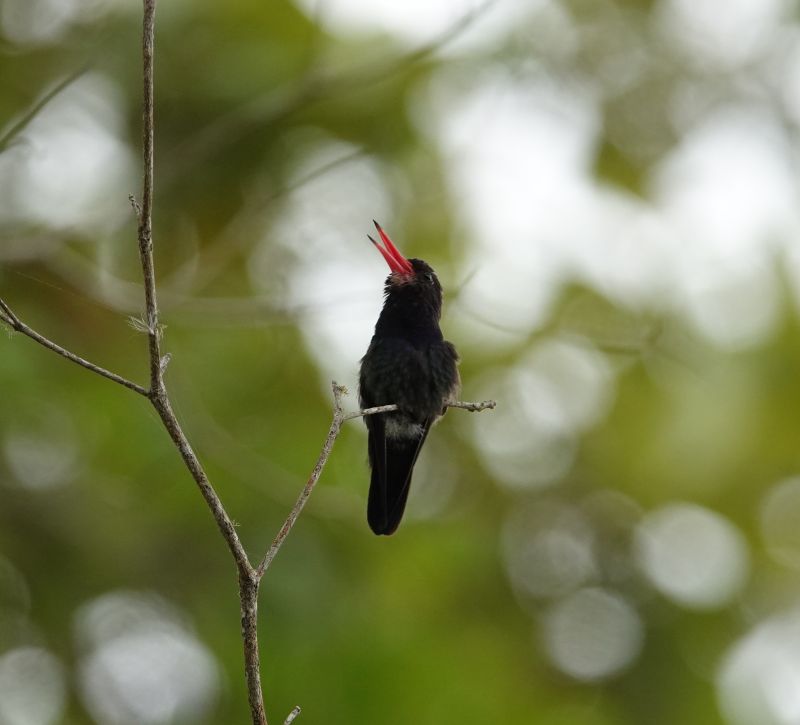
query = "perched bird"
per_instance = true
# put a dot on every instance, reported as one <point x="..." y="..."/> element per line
<point x="410" y="364"/>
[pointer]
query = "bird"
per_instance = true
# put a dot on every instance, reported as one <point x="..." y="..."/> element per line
<point x="410" y="364"/>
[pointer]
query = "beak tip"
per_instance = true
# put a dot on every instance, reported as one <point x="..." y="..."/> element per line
<point x="396" y="261"/>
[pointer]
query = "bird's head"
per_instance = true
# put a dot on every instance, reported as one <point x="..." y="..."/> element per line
<point x="410" y="278"/>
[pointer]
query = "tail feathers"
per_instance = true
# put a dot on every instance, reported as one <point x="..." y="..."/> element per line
<point x="392" y="462"/>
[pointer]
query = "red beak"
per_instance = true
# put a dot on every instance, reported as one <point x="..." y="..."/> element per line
<point x="396" y="261"/>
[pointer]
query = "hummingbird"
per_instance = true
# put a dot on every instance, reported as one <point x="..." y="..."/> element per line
<point x="410" y="364"/>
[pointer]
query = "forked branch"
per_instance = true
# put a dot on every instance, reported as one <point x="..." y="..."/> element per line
<point x="339" y="417"/>
<point x="249" y="577"/>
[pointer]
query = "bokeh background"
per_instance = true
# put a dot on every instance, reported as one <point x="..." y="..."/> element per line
<point x="609" y="192"/>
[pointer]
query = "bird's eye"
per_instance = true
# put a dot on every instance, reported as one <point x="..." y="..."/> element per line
<point x="428" y="277"/>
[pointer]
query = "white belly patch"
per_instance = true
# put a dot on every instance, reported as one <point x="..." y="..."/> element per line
<point x="402" y="428"/>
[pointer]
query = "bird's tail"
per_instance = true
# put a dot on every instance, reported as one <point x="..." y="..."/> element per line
<point x="393" y="462"/>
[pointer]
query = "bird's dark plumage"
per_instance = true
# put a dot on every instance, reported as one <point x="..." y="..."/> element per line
<point x="409" y="363"/>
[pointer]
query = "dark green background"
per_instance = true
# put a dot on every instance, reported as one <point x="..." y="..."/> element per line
<point x="423" y="627"/>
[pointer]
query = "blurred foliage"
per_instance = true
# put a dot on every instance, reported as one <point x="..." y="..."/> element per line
<point x="454" y="619"/>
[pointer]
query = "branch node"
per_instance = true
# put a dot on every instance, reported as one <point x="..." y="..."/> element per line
<point x="292" y="715"/>
<point x="137" y="208"/>
<point x="145" y="241"/>
<point x="8" y="324"/>
<point x="138" y="324"/>
<point x="338" y="392"/>
<point x="164" y="362"/>
<point x="7" y="316"/>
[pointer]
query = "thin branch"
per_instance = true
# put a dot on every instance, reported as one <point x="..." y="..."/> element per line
<point x="164" y="409"/>
<point x="249" y="578"/>
<point x="158" y="393"/>
<point x="333" y="432"/>
<point x="339" y="417"/>
<point x="8" y="316"/>
<point x="473" y="407"/>
<point x="248" y="597"/>
<point x="248" y="581"/>
<point x="371" y="411"/>
<point x="17" y="325"/>
<point x="146" y="207"/>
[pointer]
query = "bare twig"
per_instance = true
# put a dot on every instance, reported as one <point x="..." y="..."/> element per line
<point x="10" y="319"/>
<point x="162" y="405"/>
<point x="248" y="598"/>
<point x="339" y="417"/>
<point x="8" y="316"/>
<point x="473" y="407"/>
<point x="371" y="411"/>
<point x="249" y="577"/>
<point x="333" y="432"/>
<point x="249" y="590"/>
<point x="248" y="582"/>
<point x="146" y="209"/>
<point x="158" y="393"/>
